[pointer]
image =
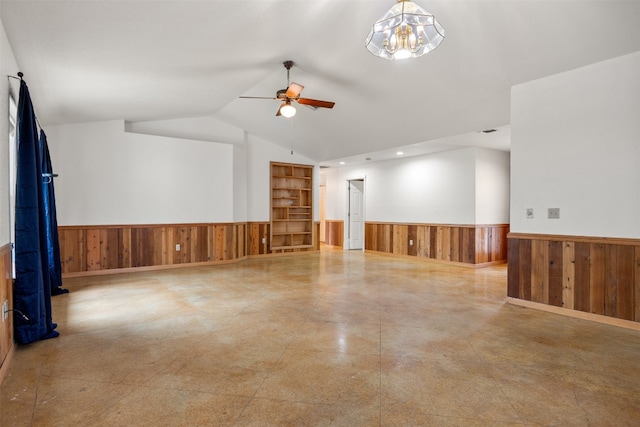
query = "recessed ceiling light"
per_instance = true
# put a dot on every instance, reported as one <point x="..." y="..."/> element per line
<point x="342" y="163"/>
<point x="399" y="153"/>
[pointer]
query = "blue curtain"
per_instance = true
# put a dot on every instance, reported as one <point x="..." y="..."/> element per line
<point x="32" y="292"/>
<point x="51" y="223"/>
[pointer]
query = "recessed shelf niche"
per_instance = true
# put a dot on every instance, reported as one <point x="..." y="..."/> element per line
<point x="291" y="206"/>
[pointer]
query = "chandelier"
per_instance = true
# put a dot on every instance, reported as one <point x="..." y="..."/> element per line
<point x="405" y="31"/>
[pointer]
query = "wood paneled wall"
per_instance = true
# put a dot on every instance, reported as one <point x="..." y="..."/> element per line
<point x="98" y="248"/>
<point x="6" y="294"/>
<point x="468" y="244"/>
<point x="594" y="275"/>
<point x="334" y="233"/>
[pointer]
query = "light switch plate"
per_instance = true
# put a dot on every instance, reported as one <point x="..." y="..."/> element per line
<point x="554" y="213"/>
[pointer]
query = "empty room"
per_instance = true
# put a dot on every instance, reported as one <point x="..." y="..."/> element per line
<point x="331" y="212"/>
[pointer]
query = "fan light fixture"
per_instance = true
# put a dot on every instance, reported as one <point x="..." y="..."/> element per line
<point x="405" y="31"/>
<point x="287" y="110"/>
<point x="292" y="94"/>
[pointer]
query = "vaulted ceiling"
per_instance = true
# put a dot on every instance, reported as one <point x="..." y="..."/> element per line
<point x="161" y="60"/>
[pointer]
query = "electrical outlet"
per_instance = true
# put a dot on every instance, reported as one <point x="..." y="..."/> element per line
<point x="177" y="247"/>
<point x="529" y="213"/>
<point x="410" y="242"/>
<point x="264" y="240"/>
<point x="5" y="310"/>
<point x="554" y="213"/>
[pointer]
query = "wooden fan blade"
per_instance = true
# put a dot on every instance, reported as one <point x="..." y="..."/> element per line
<point x="316" y="103"/>
<point x="294" y="89"/>
<point x="258" y="97"/>
<point x="278" y="113"/>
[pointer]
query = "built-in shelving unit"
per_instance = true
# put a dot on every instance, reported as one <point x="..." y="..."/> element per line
<point x="291" y="206"/>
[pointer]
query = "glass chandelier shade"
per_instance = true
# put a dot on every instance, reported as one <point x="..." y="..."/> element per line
<point x="405" y="31"/>
<point x="287" y="110"/>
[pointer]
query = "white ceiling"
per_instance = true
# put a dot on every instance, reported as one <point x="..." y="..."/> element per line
<point x="154" y="60"/>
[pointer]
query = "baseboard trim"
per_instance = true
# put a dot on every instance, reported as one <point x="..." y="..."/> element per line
<point x="622" y="323"/>
<point x="570" y="238"/>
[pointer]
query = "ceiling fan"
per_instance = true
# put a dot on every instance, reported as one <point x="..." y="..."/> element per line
<point x="292" y="94"/>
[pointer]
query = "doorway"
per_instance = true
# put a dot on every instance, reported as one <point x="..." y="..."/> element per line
<point x="355" y="214"/>
<point x="323" y="215"/>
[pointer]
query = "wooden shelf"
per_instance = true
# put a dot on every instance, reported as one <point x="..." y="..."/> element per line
<point x="290" y="189"/>
<point x="291" y="201"/>
<point x="291" y="176"/>
<point x="279" y="248"/>
<point x="291" y="233"/>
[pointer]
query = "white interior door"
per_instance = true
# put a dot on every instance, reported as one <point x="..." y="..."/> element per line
<point x="356" y="214"/>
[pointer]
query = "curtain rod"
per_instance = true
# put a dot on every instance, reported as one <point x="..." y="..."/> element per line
<point x="20" y="76"/>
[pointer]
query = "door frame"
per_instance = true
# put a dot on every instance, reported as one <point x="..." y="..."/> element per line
<point x="347" y="207"/>
<point x="323" y="219"/>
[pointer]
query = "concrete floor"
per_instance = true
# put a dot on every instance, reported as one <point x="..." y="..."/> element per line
<point x="332" y="338"/>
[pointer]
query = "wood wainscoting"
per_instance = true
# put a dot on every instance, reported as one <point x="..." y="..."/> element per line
<point x="334" y="233"/>
<point x="475" y="245"/>
<point x="588" y="274"/>
<point x="86" y="249"/>
<point x="6" y="294"/>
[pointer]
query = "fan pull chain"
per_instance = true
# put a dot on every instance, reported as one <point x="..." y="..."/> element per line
<point x="291" y="128"/>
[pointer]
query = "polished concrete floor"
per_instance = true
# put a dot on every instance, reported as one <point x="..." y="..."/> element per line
<point x="333" y="338"/>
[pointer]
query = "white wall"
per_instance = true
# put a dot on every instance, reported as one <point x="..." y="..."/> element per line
<point x="197" y="128"/>
<point x="436" y="188"/>
<point x="239" y="193"/>
<point x="576" y="146"/>
<point x="108" y="176"/>
<point x="492" y="186"/>
<point x="335" y="180"/>
<point x="8" y="66"/>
